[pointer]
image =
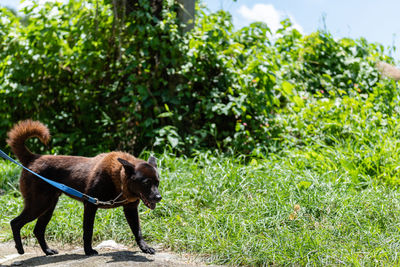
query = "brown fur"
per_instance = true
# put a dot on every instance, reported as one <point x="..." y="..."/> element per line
<point x="23" y="131"/>
<point x="104" y="177"/>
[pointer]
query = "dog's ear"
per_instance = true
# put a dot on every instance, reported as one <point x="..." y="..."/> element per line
<point x="153" y="161"/>
<point x="129" y="167"/>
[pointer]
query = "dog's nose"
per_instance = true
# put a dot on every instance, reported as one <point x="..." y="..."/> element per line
<point x="158" y="197"/>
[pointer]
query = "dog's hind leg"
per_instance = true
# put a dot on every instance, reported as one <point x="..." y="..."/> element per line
<point x="40" y="228"/>
<point x="16" y="225"/>
<point x="35" y="206"/>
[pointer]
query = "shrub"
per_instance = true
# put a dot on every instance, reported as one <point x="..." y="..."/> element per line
<point x="103" y="82"/>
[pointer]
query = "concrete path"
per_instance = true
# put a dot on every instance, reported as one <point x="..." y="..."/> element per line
<point x="110" y="254"/>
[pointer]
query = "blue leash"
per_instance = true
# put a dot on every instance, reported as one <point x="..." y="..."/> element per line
<point x="62" y="187"/>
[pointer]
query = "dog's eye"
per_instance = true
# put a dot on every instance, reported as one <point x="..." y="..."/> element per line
<point x="146" y="181"/>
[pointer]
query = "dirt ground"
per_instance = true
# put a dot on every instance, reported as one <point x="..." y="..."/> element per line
<point x="110" y="254"/>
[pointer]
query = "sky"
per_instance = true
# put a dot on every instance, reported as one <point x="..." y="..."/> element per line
<point x="375" y="20"/>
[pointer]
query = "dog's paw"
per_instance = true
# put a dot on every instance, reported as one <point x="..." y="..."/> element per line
<point x="91" y="252"/>
<point x="50" y="251"/>
<point x="20" y="250"/>
<point x="146" y="249"/>
<point x="150" y="250"/>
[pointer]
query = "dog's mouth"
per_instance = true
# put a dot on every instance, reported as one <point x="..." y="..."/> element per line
<point x="149" y="204"/>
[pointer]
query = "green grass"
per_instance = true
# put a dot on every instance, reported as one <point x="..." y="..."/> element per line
<point x="8" y="176"/>
<point x="284" y="210"/>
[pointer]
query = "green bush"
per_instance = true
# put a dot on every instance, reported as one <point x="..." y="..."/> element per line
<point x="103" y="82"/>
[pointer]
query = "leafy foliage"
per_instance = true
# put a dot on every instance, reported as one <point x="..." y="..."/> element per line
<point x="103" y="82"/>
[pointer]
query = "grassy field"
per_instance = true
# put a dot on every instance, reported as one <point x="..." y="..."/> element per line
<point x="286" y="209"/>
<point x="319" y="126"/>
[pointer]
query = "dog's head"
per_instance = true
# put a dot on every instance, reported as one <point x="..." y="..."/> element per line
<point x="142" y="180"/>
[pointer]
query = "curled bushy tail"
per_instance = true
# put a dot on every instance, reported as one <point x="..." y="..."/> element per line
<point x="23" y="131"/>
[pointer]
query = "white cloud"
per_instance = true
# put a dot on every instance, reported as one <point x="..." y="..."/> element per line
<point x="269" y="14"/>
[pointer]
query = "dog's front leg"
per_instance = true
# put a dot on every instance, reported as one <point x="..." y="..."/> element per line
<point x="88" y="220"/>
<point x="132" y="216"/>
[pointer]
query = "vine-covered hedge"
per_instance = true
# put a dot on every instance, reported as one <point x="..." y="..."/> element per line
<point x="103" y="82"/>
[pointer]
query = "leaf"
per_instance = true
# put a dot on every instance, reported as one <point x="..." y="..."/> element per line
<point x="173" y="141"/>
<point x="125" y="99"/>
<point x="165" y="115"/>
<point x="287" y="88"/>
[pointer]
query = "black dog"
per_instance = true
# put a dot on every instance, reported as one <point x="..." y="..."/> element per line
<point x="108" y="176"/>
